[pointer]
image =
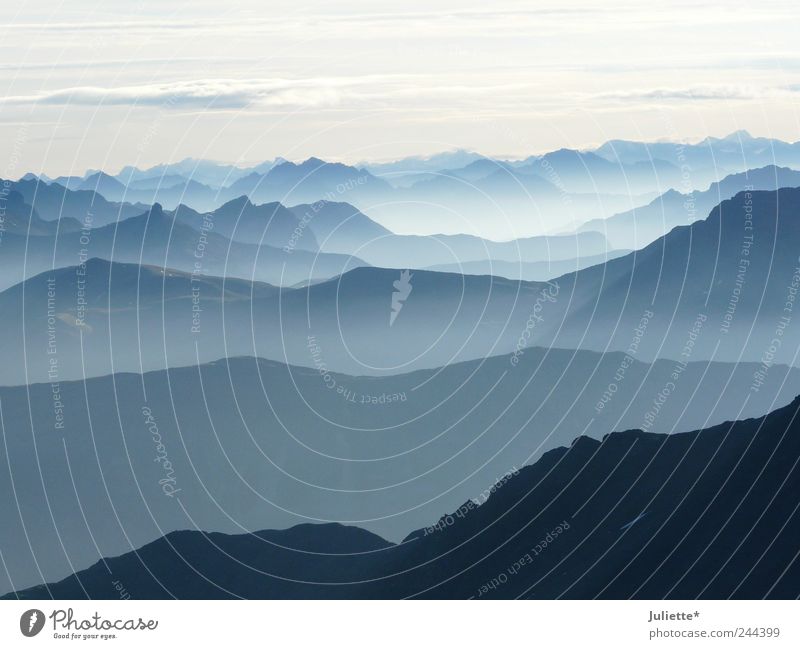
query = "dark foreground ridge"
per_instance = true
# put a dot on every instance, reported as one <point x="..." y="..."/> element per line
<point x="706" y="514"/>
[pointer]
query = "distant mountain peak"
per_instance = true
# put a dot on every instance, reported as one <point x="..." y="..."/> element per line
<point x="741" y="134"/>
<point x="98" y="174"/>
<point x="737" y="136"/>
<point x="240" y="202"/>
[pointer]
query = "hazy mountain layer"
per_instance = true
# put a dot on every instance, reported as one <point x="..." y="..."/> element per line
<point x="88" y="207"/>
<point x="100" y="467"/>
<point x="343" y="229"/>
<point x="642" y="225"/>
<point x="687" y="296"/>
<point x="462" y="191"/>
<point x="159" y="238"/>
<point x="708" y="514"/>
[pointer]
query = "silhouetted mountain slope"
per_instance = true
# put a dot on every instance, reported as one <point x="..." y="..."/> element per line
<point x="341" y="228"/>
<point x="21" y="219"/>
<point x="461" y="191"/>
<point x="159" y="238"/>
<point x="642" y="225"/>
<point x="349" y="316"/>
<point x="53" y="201"/>
<point x="255" y="444"/>
<point x="268" y="224"/>
<point x="719" y="286"/>
<point x="708" y="514"/>
<point x="701" y="296"/>
<point x="282" y="565"/>
<point x="290" y="235"/>
<point x="711" y="514"/>
<point x="107" y="306"/>
<point x="703" y="302"/>
<point x="169" y="242"/>
<point x="503" y="205"/>
<point x="338" y="227"/>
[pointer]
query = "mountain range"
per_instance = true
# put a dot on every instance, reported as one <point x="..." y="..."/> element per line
<point x="491" y="198"/>
<point x="343" y="229"/>
<point x="53" y="202"/>
<point x="270" y="242"/>
<point x="643" y="225"/>
<point x="253" y="442"/>
<point x="704" y="303"/>
<point x="450" y="376"/>
<point x="709" y="514"/>
<point x="711" y="158"/>
<point x="182" y="240"/>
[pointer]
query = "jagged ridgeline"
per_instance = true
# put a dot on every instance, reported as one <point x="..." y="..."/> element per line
<point x="283" y="381"/>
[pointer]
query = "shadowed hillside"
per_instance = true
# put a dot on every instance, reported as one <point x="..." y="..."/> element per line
<point x="709" y="514"/>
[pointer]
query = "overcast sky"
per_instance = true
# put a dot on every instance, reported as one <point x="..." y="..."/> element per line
<point x="104" y="83"/>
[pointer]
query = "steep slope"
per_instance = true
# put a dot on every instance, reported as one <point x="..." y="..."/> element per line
<point x="704" y="301"/>
<point x="268" y="224"/>
<point x="708" y="514"/>
<point x="338" y="227"/>
<point x="638" y="227"/>
<point x="724" y="287"/>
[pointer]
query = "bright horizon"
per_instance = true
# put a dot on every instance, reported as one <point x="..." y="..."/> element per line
<point x="364" y="163"/>
<point x="100" y="85"/>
